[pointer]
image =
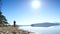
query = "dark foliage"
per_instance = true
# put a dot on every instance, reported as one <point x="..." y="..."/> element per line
<point x="3" y="20"/>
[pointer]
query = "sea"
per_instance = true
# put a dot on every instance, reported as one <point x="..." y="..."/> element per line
<point x="42" y="30"/>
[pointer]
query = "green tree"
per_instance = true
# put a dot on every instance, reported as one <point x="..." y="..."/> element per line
<point x="3" y="20"/>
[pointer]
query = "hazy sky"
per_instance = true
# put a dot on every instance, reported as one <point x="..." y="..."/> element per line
<point x="24" y="13"/>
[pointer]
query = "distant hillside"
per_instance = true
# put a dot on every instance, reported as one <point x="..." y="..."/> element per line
<point x="46" y="24"/>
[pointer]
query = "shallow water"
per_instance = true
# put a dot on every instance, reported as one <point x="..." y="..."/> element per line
<point x="43" y="30"/>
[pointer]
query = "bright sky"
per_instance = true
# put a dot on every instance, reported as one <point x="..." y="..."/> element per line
<point x="26" y="12"/>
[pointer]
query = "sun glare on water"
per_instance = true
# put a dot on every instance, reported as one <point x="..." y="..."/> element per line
<point x="36" y="4"/>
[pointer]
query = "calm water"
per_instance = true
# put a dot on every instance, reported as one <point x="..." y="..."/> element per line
<point x="43" y="30"/>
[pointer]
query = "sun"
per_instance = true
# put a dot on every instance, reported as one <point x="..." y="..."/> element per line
<point x="36" y="4"/>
